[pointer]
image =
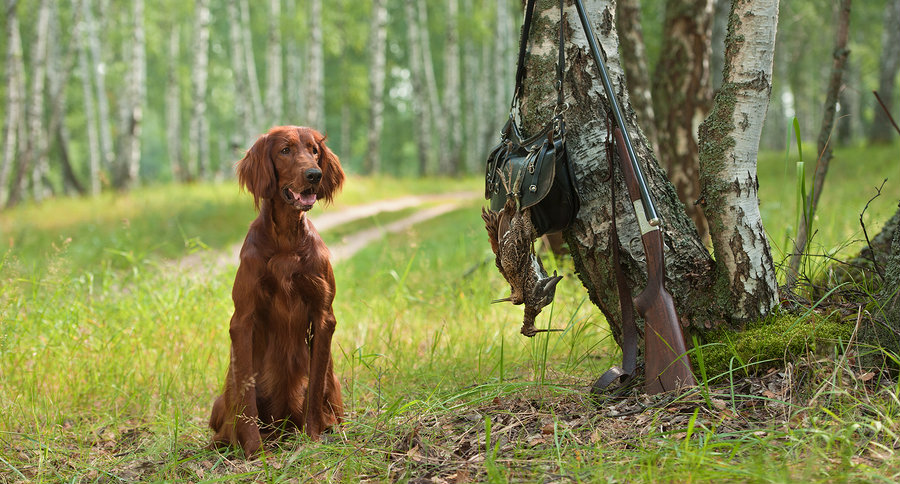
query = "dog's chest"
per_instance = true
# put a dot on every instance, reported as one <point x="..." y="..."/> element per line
<point x="295" y="276"/>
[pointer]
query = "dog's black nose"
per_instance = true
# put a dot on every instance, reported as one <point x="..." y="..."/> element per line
<point x="313" y="175"/>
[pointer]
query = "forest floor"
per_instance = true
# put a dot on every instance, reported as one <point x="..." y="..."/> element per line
<point x="114" y="344"/>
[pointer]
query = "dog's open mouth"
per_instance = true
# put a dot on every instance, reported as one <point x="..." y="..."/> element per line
<point x="301" y="201"/>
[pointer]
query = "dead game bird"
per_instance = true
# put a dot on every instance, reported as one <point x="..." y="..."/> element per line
<point x="512" y="236"/>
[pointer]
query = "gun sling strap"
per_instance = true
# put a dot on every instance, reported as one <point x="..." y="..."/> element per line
<point x="624" y="374"/>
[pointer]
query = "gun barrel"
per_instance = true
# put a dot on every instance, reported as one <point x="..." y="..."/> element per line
<point x="649" y="207"/>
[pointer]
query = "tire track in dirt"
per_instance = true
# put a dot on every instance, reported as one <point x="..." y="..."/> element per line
<point x="351" y="244"/>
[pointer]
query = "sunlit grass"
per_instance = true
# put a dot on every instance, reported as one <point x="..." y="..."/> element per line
<point x="110" y="359"/>
<point x="119" y="229"/>
<point x="854" y="177"/>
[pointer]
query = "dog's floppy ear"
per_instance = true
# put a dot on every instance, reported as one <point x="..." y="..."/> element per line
<point x="256" y="172"/>
<point x="332" y="173"/>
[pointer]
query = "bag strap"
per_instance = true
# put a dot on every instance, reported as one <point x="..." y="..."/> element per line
<point x="523" y="47"/>
<point x="626" y="373"/>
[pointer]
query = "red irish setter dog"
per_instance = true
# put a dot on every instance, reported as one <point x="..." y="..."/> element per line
<point x="281" y="373"/>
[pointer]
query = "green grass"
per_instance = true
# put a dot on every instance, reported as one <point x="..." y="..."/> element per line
<point x="119" y="229"/>
<point x="854" y="176"/>
<point x="110" y="359"/>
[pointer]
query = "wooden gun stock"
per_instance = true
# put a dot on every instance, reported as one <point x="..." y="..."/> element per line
<point x="666" y="364"/>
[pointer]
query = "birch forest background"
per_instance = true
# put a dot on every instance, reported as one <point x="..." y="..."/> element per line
<point x="109" y="94"/>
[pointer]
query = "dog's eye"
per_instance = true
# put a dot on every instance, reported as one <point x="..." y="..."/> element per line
<point x="315" y="150"/>
<point x="286" y="150"/>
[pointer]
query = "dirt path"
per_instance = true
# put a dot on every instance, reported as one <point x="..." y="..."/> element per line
<point x="350" y="245"/>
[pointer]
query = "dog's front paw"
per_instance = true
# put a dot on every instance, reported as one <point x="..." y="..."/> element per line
<point x="314" y="428"/>
<point x="249" y="439"/>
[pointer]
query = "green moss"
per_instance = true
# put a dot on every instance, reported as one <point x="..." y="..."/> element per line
<point x="779" y="338"/>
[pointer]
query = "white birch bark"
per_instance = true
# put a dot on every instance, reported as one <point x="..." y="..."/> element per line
<point x="315" y="85"/>
<point x="729" y="140"/>
<point x="97" y="61"/>
<point x="294" y="76"/>
<point x="250" y="67"/>
<point x="36" y="143"/>
<point x="132" y="123"/>
<point x="501" y="70"/>
<point x="198" y="158"/>
<point x="472" y="123"/>
<point x="61" y="61"/>
<point x="243" y="112"/>
<point x="420" y="105"/>
<point x="15" y="85"/>
<point x="90" y="102"/>
<point x="274" y="70"/>
<point x="450" y="158"/>
<point x="173" y="107"/>
<point x="439" y="121"/>
<point x="378" y="47"/>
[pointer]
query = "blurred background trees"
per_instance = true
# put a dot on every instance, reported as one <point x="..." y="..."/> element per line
<point x="108" y="94"/>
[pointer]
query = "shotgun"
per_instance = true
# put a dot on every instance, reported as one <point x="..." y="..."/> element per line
<point x="666" y="365"/>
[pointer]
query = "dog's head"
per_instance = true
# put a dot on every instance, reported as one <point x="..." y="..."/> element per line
<point x="293" y="165"/>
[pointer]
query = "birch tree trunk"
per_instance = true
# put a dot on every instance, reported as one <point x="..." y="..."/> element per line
<point x="274" y="70"/>
<point x="729" y="142"/>
<point x="439" y="121"/>
<point x="682" y="95"/>
<point x="888" y="67"/>
<point x="129" y="158"/>
<point x="450" y="158"/>
<point x="96" y="60"/>
<point x="706" y="293"/>
<point x="315" y="84"/>
<point x="250" y="67"/>
<point x="634" y="59"/>
<point x="41" y="186"/>
<point x="35" y="142"/>
<point x="502" y="65"/>
<point x="421" y="107"/>
<point x="377" y="46"/>
<point x="173" y="108"/>
<point x="294" y="76"/>
<point x="61" y="59"/>
<point x="15" y="87"/>
<point x="689" y="265"/>
<point x="90" y="108"/>
<point x="198" y="157"/>
<point x="478" y="110"/>
<point x="242" y="111"/>
<point x="824" y="142"/>
<point x="38" y="138"/>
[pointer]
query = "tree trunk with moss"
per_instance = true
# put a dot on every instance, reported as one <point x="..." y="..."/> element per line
<point x="701" y="298"/>
<point x="682" y="97"/>
<point x="688" y="263"/>
<point x="729" y="143"/>
<point x="634" y="60"/>
<point x="883" y="330"/>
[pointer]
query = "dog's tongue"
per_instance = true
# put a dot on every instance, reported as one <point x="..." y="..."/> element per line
<point x="304" y="199"/>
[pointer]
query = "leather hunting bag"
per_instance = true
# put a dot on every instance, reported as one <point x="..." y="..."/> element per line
<point x="534" y="170"/>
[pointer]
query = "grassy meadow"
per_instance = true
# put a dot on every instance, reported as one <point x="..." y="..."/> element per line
<point x="111" y="355"/>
